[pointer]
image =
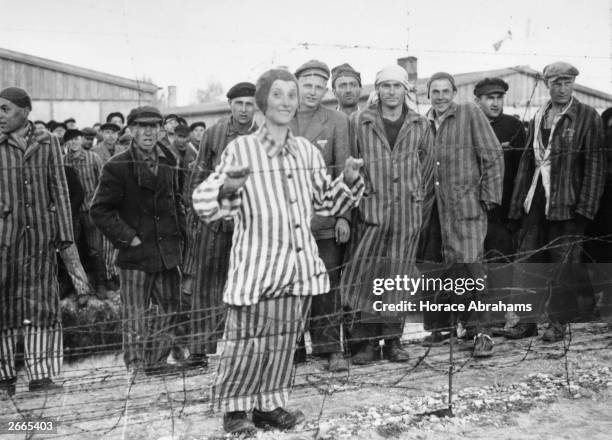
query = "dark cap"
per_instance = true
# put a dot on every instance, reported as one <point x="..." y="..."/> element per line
<point x="242" y="89"/>
<point x="441" y="75"/>
<point x="88" y="131"/>
<point x="146" y="113"/>
<point x="490" y="85"/>
<point x="560" y="69"/>
<point x="109" y="126"/>
<point x="71" y="134"/>
<point x="196" y="125"/>
<point x="59" y="125"/>
<point x="182" y="121"/>
<point x="115" y="114"/>
<point x="70" y="120"/>
<point x="17" y="96"/>
<point x="345" y="70"/>
<point x="181" y="130"/>
<point x="40" y="122"/>
<point x="170" y="117"/>
<point x="313" y="67"/>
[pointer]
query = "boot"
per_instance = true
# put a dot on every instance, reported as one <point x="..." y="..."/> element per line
<point x="237" y="422"/>
<point x="366" y="354"/>
<point x="279" y="418"/>
<point x="395" y="352"/>
<point x="337" y="363"/>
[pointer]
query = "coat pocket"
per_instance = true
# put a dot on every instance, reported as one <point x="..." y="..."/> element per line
<point x="7" y="230"/>
<point x="467" y="203"/>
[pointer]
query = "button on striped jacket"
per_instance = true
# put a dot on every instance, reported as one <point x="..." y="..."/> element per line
<point x="273" y="249"/>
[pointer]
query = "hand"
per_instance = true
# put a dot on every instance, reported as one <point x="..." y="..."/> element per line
<point x="351" y="170"/>
<point x="342" y="230"/>
<point x="234" y="180"/>
<point x="135" y="241"/>
<point x="505" y="144"/>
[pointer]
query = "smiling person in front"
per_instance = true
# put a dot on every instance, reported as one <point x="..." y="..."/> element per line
<point x="272" y="183"/>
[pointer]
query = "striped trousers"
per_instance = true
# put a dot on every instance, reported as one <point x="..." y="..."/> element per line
<point x="43" y="351"/>
<point x="150" y="302"/>
<point x="109" y="254"/>
<point x="256" y="364"/>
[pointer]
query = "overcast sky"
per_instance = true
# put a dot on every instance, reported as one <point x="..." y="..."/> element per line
<point x="188" y="43"/>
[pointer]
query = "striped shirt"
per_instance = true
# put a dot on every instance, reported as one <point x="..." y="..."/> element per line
<point x="273" y="249"/>
<point x="88" y="166"/>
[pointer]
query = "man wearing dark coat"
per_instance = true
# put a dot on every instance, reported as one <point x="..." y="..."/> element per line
<point x="35" y="221"/>
<point x="138" y="207"/>
<point x="208" y="245"/>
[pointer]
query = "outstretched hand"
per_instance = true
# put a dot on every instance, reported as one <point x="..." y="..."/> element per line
<point x="235" y="178"/>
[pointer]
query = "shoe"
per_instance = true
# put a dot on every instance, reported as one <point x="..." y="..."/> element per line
<point x="394" y="351"/>
<point x="366" y="354"/>
<point x="279" y="418"/>
<point x="483" y="345"/>
<point x="520" y="331"/>
<point x="436" y="338"/>
<point x="237" y="422"/>
<point x="7" y="387"/>
<point x="554" y="333"/>
<point x="300" y="355"/>
<point x="337" y="363"/>
<point x="45" y="384"/>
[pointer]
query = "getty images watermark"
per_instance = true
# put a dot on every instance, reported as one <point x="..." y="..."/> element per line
<point x="459" y="286"/>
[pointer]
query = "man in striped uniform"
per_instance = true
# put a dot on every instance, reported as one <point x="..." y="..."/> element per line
<point x="328" y="130"/>
<point x="208" y="246"/>
<point x="137" y="205"/>
<point x="35" y="220"/>
<point x="468" y="183"/>
<point x="271" y="183"/>
<point x="88" y="166"/>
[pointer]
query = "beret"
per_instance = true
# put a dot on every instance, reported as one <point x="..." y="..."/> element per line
<point x="441" y="75"/>
<point x="109" y="126"/>
<point x="241" y="89"/>
<point x="146" y="113"/>
<point x="17" y="96"/>
<point x="197" y="124"/>
<point x="490" y="85"/>
<point x="264" y="84"/>
<point x="181" y="130"/>
<point x="560" y="69"/>
<point x="88" y="131"/>
<point x="71" y="134"/>
<point x="170" y="117"/>
<point x="313" y="67"/>
<point x="115" y="114"/>
<point x="345" y="70"/>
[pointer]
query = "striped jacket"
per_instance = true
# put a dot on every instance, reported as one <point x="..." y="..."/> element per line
<point x="468" y="171"/>
<point x="385" y="237"/>
<point x="35" y="219"/>
<point x="273" y="249"/>
<point x="578" y="168"/>
<point x="88" y="167"/>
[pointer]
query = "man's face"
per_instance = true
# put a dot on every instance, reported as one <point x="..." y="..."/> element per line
<point x="97" y="127"/>
<point x="391" y="93"/>
<point x="75" y="144"/>
<point x="347" y="90"/>
<point x="145" y="134"/>
<point x="243" y="109"/>
<point x="312" y="90"/>
<point x="560" y="90"/>
<point x="198" y="132"/>
<point x="282" y="102"/>
<point x="59" y="132"/>
<point x="441" y="94"/>
<point x="109" y="136"/>
<point x="117" y="121"/>
<point x="88" y="142"/>
<point x="71" y="125"/>
<point x="39" y="127"/>
<point x="491" y="104"/>
<point x="171" y="125"/>
<point x="181" y="141"/>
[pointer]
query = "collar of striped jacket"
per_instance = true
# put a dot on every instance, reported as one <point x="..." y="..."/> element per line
<point x="271" y="147"/>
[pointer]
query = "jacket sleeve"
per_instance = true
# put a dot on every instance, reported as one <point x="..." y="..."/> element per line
<point x="594" y="167"/>
<point x="58" y="187"/>
<point x="490" y="157"/>
<point x="104" y="210"/>
<point x="341" y="152"/>
<point x="427" y="160"/>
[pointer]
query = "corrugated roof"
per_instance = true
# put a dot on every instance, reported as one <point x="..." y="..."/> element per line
<point x="77" y="71"/>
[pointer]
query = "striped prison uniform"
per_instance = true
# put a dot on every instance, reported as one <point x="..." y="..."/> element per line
<point x="43" y="351"/>
<point x="150" y="301"/>
<point x="274" y="258"/>
<point x="209" y="245"/>
<point x="88" y="166"/>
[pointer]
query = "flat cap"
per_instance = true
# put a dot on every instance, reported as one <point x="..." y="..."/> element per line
<point x="69" y="120"/>
<point x="17" y="96"/>
<point x="490" y="85"/>
<point x="560" y="69"/>
<point x="196" y="125"/>
<point x="59" y="125"/>
<point x="313" y="67"/>
<point x="88" y="131"/>
<point x="146" y="113"/>
<point x="115" y="114"/>
<point x="170" y="117"/>
<point x="71" y="134"/>
<point x="240" y="90"/>
<point x="110" y="126"/>
<point x="345" y="70"/>
<point x="181" y="130"/>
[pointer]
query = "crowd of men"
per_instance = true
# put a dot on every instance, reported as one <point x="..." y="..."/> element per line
<point x="252" y="235"/>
